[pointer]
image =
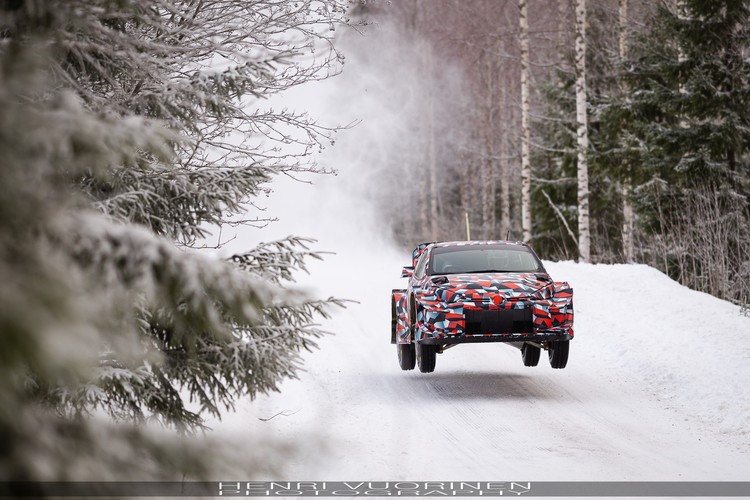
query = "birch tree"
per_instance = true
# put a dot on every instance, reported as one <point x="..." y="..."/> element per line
<point x="488" y="160"/>
<point x="507" y="118"/>
<point x="480" y="38"/>
<point x="525" y="123"/>
<point x="431" y="149"/>
<point x="627" y="205"/>
<point x="582" y="142"/>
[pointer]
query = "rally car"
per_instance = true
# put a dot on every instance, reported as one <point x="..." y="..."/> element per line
<point x="480" y="291"/>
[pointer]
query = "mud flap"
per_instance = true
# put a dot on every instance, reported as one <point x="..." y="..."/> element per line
<point x="397" y="312"/>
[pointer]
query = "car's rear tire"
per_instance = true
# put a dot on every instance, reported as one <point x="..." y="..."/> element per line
<point x="407" y="358"/>
<point x="426" y="357"/>
<point x="530" y="354"/>
<point x="558" y="353"/>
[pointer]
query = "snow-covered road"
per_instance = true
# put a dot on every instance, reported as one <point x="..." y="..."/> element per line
<point x="655" y="389"/>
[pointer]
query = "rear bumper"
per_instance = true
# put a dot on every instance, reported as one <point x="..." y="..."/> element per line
<point x="447" y="339"/>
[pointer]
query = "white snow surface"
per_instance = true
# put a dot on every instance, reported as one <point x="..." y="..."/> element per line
<point x="655" y="388"/>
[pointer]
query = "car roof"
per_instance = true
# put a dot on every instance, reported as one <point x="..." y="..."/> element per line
<point x="441" y="244"/>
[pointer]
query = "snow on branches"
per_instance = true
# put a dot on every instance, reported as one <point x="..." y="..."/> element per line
<point x="129" y="129"/>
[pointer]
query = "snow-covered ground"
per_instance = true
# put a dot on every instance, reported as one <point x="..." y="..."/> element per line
<point x="656" y="387"/>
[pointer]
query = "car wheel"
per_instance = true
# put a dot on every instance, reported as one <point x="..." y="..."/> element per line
<point x="558" y="353"/>
<point x="530" y="355"/>
<point x="406" y="356"/>
<point x="426" y="355"/>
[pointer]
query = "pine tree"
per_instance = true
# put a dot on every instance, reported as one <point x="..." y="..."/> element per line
<point x="554" y="196"/>
<point x="689" y="82"/>
<point x="128" y="129"/>
<point x="684" y="128"/>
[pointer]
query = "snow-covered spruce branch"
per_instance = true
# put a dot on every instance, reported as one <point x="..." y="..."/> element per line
<point x="261" y="356"/>
<point x="214" y="373"/>
<point x="277" y="261"/>
<point x="177" y="202"/>
<point x="115" y="52"/>
<point x="198" y="291"/>
<point x="146" y="110"/>
<point x="210" y="329"/>
<point x="198" y="66"/>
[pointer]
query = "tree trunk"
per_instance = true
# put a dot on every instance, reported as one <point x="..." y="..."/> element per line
<point x="505" y="170"/>
<point x="423" y="212"/>
<point x="625" y="188"/>
<point x="525" y="124"/>
<point x="562" y="10"/>
<point x="434" y="220"/>
<point x="488" y="163"/>
<point x="492" y="133"/>
<point x="584" y="234"/>
<point x="465" y="186"/>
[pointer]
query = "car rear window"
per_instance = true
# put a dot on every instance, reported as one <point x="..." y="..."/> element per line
<point x="483" y="258"/>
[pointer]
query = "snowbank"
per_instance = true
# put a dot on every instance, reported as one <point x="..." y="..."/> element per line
<point x="687" y="350"/>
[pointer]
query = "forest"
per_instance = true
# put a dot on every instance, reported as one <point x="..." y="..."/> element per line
<point x="601" y="131"/>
